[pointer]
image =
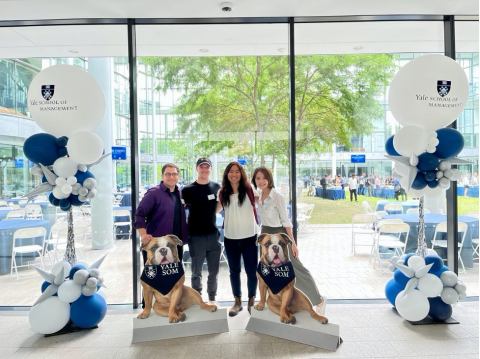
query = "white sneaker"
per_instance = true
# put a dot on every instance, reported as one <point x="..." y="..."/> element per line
<point x="321" y="308"/>
<point x="213" y="302"/>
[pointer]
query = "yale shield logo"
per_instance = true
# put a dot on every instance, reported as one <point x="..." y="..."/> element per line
<point x="265" y="270"/>
<point x="47" y="91"/>
<point x="151" y="271"/>
<point x="443" y="87"/>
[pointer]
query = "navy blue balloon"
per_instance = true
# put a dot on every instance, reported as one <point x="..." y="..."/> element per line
<point x="450" y="144"/>
<point x="53" y="200"/>
<point x="427" y="162"/>
<point x="432" y="184"/>
<point x="400" y="278"/>
<point x="65" y="204"/>
<point x="82" y="176"/>
<point x="391" y="291"/>
<point x="389" y="147"/>
<point x="430" y="176"/>
<point x="62" y="141"/>
<point x="86" y="312"/>
<point x="45" y="285"/>
<point x="75" y="269"/>
<point x="62" y="151"/>
<point x="419" y="182"/>
<point x="439" y="310"/>
<point x="436" y="260"/>
<point x="439" y="272"/>
<point x="44" y="179"/>
<point x="41" y="148"/>
<point x="74" y="201"/>
<point x="407" y="257"/>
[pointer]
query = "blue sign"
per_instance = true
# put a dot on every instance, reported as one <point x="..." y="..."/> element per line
<point x="358" y="159"/>
<point x="119" y="153"/>
<point x="19" y="163"/>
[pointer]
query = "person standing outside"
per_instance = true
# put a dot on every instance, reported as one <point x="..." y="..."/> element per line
<point x="361" y="184"/>
<point x="299" y="186"/>
<point x="352" y="185"/>
<point x="204" y="242"/>
<point x="323" y="182"/>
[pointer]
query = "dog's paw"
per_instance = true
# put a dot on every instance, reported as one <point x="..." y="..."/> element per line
<point x="259" y="307"/>
<point x="177" y="318"/>
<point x="183" y="317"/>
<point x="293" y="320"/>
<point x="323" y="320"/>
<point x="143" y="315"/>
<point x="213" y="309"/>
<point x="285" y="319"/>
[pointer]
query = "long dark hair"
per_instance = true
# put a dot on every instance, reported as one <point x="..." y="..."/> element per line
<point x="227" y="189"/>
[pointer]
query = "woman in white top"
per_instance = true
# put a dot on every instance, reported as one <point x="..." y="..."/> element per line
<point x="273" y="214"/>
<point x="237" y="198"/>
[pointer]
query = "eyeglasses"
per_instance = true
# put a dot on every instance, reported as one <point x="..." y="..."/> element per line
<point x="168" y="174"/>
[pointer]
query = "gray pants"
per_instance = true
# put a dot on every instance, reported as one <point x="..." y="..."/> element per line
<point x="303" y="279"/>
<point x="201" y="247"/>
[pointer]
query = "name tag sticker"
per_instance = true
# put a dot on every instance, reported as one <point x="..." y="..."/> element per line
<point x="183" y="201"/>
<point x="211" y="196"/>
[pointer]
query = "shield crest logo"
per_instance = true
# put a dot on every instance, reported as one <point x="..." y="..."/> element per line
<point x="151" y="271"/>
<point x="265" y="270"/>
<point x="47" y="91"/>
<point x="443" y="87"/>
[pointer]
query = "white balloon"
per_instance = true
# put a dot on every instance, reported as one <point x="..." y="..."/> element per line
<point x="90" y="183"/>
<point x="444" y="165"/>
<point x="72" y="180"/>
<point x="431" y="149"/>
<point x="77" y="104"/>
<point x="69" y="291"/>
<point x="65" y="167"/>
<point x="91" y="282"/>
<point x="80" y="277"/>
<point x="444" y="183"/>
<point x="415" y="100"/>
<point x="85" y="147"/>
<point x="82" y="198"/>
<point x="449" y="295"/>
<point x="49" y="316"/>
<point x="432" y="134"/>
<point x="432" y="192"/>
<point x="433" y="142"/>
<point x="462" y="296"/>
<point x="416" y="262"/>
<point x="58" y="193"/>
<point x="84" y="263"/>
<point x="66" y="188"/>
<point x="456" y="175"/>
<point x="414" y="306"/>
<point x="430" y="285"/>
<point x="83" y="191"/>
<point x="87" y="291"/>
<point x="416" y="193"/>
<point x="391" y="267"/>
<point x="461" y="287"/>
<point x="431" y="251"/>
<point x="82" y="167"/>
<point x="413" y="160"/>
<point x="439" y="174"/>
<point x="92" y="194"/>
<point x="449" y="174"/>
<point x="60" y="181"/>
<point x="410" y="140"/>
<point x="103" y="293"/>
<point x="449" y="279"/>
<point x="57" y="267"/>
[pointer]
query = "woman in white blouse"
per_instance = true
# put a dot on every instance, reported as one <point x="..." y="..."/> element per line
<point x="273" y="214"/>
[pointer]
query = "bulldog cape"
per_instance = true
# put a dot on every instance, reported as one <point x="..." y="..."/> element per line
<point x="276" y="278"/>
<point x="162" y="277"/>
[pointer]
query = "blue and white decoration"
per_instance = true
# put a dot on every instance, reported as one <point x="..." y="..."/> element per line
<point x="69" y="293"/>
<point x="423" y="287"/>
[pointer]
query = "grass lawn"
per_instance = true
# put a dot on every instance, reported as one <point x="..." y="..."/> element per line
<point x="340" y="212"/>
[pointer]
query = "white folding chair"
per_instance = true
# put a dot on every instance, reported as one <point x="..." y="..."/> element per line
<point x="304" y="216"/>
<point x="393" y="207"/>
<point x="367" y="207"/>
<point x="442" y="243"/>
<point x="3" y="204"/>
<point x="15" y="214"/>
<point x="41" y="198"/>
<point x="13" y="205"/>
<point x="33" y="211"/>
<point x="80" y="233"/>
<point x="23" y="201"/>
<point x="475" y="241"/>
<point x="60" y="214"/>
<point x="389" y="234"/>
<point x="362" y="224"/>
<point x="380" y="214"/>
<point x="27" y="233"/>
<point x="117" y="200"/>
<point x="416" y="210"/>
<point x="52" y="239"/>
<point x="116" y="224"/>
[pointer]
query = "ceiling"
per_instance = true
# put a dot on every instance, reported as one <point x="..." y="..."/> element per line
<point x="231" y="39"/>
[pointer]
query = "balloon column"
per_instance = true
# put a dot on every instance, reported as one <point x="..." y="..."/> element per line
<point x="426" y="95"/>
<point x="69" y="293"/>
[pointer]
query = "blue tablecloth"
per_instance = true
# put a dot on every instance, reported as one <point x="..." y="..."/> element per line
<point x="406" y="206"/>
<point x="7" y="229"/>
<point x="431" y="221"/>
<point x="4" y="211"/>
<point x="383" y="192"/>
<point x="126" y="199"/>
<point x="472" y="191"/>
<point x="332" y="193"/>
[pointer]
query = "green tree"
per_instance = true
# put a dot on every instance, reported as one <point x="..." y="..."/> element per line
<point x="241" y="104"/>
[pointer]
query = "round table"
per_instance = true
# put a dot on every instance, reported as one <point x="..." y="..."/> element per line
<point x="431" y="221"/>
<point x="406" y="206"/>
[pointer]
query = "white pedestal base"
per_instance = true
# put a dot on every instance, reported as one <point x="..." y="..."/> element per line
<point x="198" y="322"/>
<point x="306" y="330"/>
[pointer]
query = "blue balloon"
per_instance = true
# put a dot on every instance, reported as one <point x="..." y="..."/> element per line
<point x="430" y="176"/>
<point x="62" y="141"/>
<point x="439" y="273"/>
<point x="86" y="312"/>
<point x="391" y="291"/>
<point x="82" y="176"/>
<point x="419" y="182"/>
<point x="432" y="184"/>
<point x="44" y="179"/>
<point x="65" y="204"/>
<point x="450" y="144"/>
<point x="407" y="257"/>
<point x="75" y="269"/>
<point x="53" y="200"/>
<point x="400" y="278"/>
<point x="389" y="147"/>
<point x="74" y="201"/>
<point x="45" y="285"/>
<point x="427" y="162"/>
<point x="41" y="148"/>
<point x="436" y="260"/>
<point x="439" y="310"/>
<point x="62" y="151"/>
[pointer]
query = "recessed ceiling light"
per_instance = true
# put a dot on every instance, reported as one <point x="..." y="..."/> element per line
<point x="282" y="50"/>
<point x="358" y="48"/>
<point x="73" y="51"/>
<point x="203" y="50"/>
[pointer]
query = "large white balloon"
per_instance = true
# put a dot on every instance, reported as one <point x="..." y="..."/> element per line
<point x="73" y="102"/>
<point x="57" y="267"/>
<point x="430" y="285"/>
<point x="49" y="316"/>
<point x="418" y="95"/>
<point x="410" y="140"/>
<point x="69" y="291"/>
<point x="414" y="306"/>
<point x="416" y="262"/>
<point x="65" y="167"/>
<point x="58" y="193"/>
<point x="85" y="147"/>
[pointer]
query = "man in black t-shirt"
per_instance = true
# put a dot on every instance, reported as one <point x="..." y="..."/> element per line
<point x="201" y="200"/>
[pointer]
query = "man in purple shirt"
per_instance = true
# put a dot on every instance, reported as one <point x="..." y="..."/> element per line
<point x="162" y="210"/>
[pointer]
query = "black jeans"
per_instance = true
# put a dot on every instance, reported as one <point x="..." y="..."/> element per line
<point x="353" y="192"/>
<point x="324" y="188"/>
<point x="235" y="250"/>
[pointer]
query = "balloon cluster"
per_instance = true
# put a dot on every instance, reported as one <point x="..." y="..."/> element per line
<point x="422" y="287"/>
<point x="78" y="296"/>
<point x="423" y="150"/>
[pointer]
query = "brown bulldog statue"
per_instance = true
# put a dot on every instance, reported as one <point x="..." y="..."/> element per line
<point x="163" y="278"/>
<point x="276" y="275"/>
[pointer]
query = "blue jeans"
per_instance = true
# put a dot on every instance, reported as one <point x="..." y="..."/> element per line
<point x="235" y="250"/>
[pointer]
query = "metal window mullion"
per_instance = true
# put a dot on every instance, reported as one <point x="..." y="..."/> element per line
<point x="293" y="152"/>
